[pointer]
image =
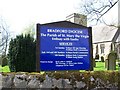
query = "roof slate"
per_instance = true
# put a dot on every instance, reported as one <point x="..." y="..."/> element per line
<point x="103" y="33"/>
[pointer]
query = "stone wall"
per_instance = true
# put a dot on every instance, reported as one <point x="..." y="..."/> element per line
<point x="97" y="80"/>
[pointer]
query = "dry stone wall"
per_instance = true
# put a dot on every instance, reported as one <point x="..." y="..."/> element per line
<point x="103" y="80"/>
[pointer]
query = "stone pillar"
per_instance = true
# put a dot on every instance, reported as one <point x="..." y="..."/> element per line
<point x="77" y="18"/>
<point x="106" y="63"/>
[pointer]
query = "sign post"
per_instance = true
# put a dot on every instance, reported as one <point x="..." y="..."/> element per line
<point x="63" y="46"/>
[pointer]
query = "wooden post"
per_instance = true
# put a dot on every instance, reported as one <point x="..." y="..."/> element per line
<point x="38" y="48"/>
<point x="91" y="49"/>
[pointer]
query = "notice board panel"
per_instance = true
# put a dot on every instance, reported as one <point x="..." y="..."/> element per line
<point x="64" y="47"/>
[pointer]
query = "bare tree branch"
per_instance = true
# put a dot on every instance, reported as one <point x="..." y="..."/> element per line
<point x="5" y="36"/>
<point x="108" y="9"/>
<point x="96" y="9"/>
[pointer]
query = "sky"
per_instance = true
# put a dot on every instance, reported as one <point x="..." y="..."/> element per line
<point x="111" y="17"/>
<point x="19" y="14"/>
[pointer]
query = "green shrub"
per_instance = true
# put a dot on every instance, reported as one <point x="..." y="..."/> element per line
<point x="22" y="54"/>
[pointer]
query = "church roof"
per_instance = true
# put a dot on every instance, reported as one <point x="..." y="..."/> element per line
<point x="65" y="24"/>
<point x="103" y="33"/>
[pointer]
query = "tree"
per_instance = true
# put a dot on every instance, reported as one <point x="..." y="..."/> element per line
<point x="29" y="30"/>
<point x="22" y="54"/>
<point x="4" y="60"/>
<point x="4" y="40"/>
<point x="96" y="9"/>
<point x="4" y="31"/>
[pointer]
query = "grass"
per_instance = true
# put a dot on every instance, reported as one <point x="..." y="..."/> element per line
<point x="99" y="67"/>
<point x="4" y="69"/>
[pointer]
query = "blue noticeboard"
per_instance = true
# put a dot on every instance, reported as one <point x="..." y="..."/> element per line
<point x="64" y="48"/>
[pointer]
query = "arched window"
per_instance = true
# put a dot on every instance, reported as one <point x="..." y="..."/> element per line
<point x="96" y="49"/>
<point x="102" y="47"/>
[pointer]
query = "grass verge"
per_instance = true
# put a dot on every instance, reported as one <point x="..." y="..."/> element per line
<point x="4" y="69"/>
<point x="100" y="66"/>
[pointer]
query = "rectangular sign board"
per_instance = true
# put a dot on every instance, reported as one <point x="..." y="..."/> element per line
<point x="64" y="48"/>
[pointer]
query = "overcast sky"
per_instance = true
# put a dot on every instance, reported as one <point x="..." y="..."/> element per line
<point x="20" y="13"/>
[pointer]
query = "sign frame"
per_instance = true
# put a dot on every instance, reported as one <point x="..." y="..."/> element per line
<point x="62" y="24"/>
